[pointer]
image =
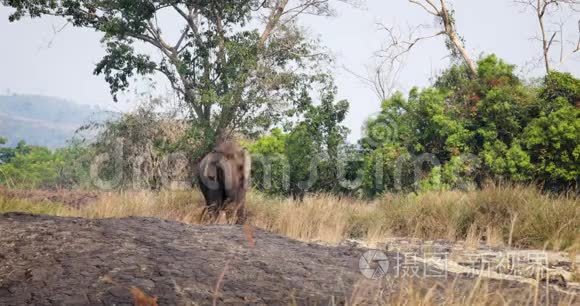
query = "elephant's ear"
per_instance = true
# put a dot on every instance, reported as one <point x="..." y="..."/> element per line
<point x="209" y="166"/>
<point x="247" y="169"/>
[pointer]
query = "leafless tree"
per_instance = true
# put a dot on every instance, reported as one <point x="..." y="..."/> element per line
<point x="399" y="46"/>
<point x="381" y="76"/>
<point x="543" y="8"/>
<point x="288" y="10"/>
<point x="576" y="47"/>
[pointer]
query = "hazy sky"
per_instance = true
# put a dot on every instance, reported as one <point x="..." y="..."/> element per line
<point x="33" y="60"/>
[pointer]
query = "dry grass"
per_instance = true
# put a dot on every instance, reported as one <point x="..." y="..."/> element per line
<point x="179" y="206"/>
<point x="520" y="216"/>
<point x="480" y="291"/>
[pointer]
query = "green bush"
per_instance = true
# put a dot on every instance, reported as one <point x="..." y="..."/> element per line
<point x="553" y="141"/>
<point x="38" y="167"/>
<point x="517" y="132"/>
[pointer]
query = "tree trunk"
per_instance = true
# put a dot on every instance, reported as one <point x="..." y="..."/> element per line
<point x="452" y="34"/>
<point x="545" y="43"/>
<point x="466" y="58"/>
<point x="273" y="21"/>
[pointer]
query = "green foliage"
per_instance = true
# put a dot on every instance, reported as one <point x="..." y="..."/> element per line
<point x="314" y="146"/>
<point x="553" y="141"/>
<point x="269" y="144"/>
<point x="230" y="75"/>
<point x="389" y="168"/>
<point x="30" y="170"/>
<point x="38" y="167"/>
<point x="302" y="152"/>
<point x="494" y="72"/>
<point x="269" y="165"/>
<point x="459" y="172"/>
<point x="7" y="154"/>
<point x="561" y="85"/>
<point x="74" y="171"/>
<point x="508" y="131"/>
<point x="305" y="159"/>
<point x="513" y="162"/>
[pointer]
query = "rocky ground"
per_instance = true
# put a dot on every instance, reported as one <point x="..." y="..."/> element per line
<point x="72" y="198"/>
<point x="145" y="261"/>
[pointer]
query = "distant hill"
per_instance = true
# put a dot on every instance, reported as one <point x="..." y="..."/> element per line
<point x="44" y="121"/>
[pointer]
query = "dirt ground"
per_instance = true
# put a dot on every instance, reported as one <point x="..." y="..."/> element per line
<point x="71" y="261"/>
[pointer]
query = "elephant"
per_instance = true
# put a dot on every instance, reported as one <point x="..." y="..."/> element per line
<point x="224" y="178"/>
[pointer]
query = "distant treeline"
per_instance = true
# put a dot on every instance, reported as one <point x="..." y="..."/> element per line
<point x="44" y="121"/>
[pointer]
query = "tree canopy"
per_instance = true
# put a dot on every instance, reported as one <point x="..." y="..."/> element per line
<point x="494" y="127"/>
<point x="236" y="64"/>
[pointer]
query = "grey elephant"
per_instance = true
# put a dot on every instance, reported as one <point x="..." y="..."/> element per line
<point x="224" y="178"/>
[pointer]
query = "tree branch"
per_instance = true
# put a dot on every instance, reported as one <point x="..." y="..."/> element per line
<point x="188" y="17"/>
<point x="434" y="12"/>
<point x="221" y="37"/>
<point x="541" y="8"/>
<point x="398" y="48"/>
<point x="272" y="21"/>
<point x="181" y="38"/>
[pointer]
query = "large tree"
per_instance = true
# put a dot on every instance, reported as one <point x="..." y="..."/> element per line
<point x="236" y="64"/>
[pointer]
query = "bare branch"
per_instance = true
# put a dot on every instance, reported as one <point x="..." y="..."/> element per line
<point x="180" y="41"/>
<point x="221" y="37"/>
<point x="304" y="9"/>
<point x="541" y="9"/>
<point x="552" y="39"/>
<point x="433" y="10"/>
<point x="55" y="32"/>
<point x="188" y="17"/>
<point x="154" y="30"/>
<point x="578" y="42"/>
<point x="398" y="47"/>
<point x="564" y="58"/>
<point x="382" y="77"/>
<point x="318" y="7"/>
<point x="442" y="12"/>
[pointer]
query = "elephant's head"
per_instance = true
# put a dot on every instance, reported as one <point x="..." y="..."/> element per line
<point x="228" y="166"/>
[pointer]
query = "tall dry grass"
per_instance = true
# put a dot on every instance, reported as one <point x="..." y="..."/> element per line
<point x="520" y="216"/>
<point x="516" y="216"/>
<point x="453" y="293"/>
